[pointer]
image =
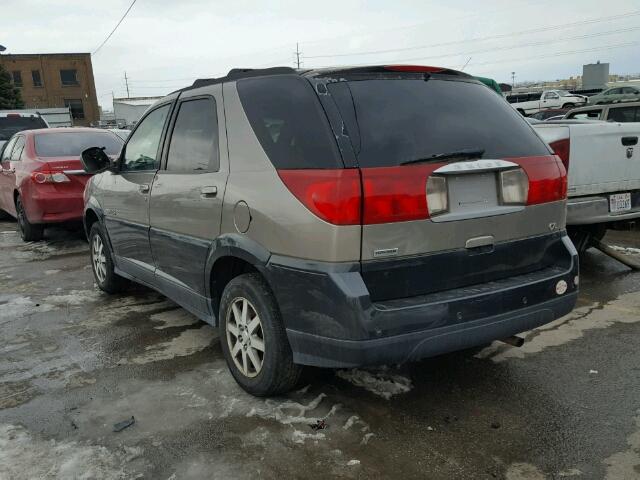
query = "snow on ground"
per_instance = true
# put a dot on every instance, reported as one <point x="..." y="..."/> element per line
<point x="187" y="343"/>
<point x="382" y="382"/>
<point x="24" y="457"/>
<point x="173" y="318"/>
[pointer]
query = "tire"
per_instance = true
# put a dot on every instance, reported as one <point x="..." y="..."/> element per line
<point x="102" y="262"/>
<point x="521" y="112"/>
<point x="28" y="231"/>
<point x="568" y="105"/>
<point x="265" y="373"/>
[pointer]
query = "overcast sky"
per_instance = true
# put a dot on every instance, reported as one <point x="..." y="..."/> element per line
<point x="165" y="44"/>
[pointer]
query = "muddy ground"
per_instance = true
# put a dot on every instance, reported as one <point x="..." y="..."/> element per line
<point x="74" y="361"/>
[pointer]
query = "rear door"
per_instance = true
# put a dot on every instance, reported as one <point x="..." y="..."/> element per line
<point x="9" y="173"/>
<point x="7" y="182"/>
<point x="187" y="194"/>
<point x="550" y="100"/>
<point x="126" y="199"/>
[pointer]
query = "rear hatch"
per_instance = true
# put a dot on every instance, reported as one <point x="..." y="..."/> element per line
<point x="457" y="188"/>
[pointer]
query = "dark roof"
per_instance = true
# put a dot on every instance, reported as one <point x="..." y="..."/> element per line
<point x="238" y="73"/>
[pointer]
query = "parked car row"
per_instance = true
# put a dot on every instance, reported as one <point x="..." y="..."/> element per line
<point x="281" y="206"/>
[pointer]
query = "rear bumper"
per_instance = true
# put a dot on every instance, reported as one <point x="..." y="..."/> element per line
<point x="316" y="350"/>
<point x="46" y="205"/>
<point x="331" y="320"/>
<point x="595" y="209"/>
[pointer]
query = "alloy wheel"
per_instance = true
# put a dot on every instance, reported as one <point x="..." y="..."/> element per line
<point x="99" y="259"/>
<point x="245" y="337"/>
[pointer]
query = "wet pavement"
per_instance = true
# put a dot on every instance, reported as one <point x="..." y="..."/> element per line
<point x="74" y="362"/>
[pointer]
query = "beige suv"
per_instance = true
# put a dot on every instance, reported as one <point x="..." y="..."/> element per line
<point x="337" y="218"/>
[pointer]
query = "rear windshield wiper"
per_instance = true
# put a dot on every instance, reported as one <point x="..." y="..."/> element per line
<point x="465" y="154"/>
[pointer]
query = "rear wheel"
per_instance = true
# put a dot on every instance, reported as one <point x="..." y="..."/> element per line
<point x="102" y="263"/>
<point x="28" y="231"/>
<point x="253" y="338"/>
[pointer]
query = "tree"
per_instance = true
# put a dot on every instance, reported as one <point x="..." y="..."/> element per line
<point x="10" y="96"/>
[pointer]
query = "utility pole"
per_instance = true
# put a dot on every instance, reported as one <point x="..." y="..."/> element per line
<point x="298" y="53"/>
<point x="126" y="81"/>
<point x="513" y="79"/>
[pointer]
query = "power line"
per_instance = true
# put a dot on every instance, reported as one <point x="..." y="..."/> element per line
<point x="513" y="47"/>
<point x="557" y="54"/>
<point x="116" y="27"/>
<point x="491" y="37"/>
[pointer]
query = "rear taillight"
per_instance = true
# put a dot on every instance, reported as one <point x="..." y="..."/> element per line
<point x="332" y="195"/>
<point x="396" y="194"/>
<point x="547" y="179"/>
<point x="562" y="148"/>
<point x="44" y="175"/>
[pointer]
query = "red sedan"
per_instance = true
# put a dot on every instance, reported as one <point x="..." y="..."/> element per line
<point x="42" y="180"/>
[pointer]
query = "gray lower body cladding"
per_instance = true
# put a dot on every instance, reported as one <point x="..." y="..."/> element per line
<point x="332" y="321"/>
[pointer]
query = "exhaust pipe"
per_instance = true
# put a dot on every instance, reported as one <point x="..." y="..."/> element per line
<point x="513" y="340"/>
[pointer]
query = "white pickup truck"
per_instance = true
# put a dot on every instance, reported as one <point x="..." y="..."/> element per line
<point x="603" y="162"/>
<point x="529" y="103"/>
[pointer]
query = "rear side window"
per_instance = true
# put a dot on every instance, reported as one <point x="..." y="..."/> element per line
<point x="194" y="142"/>
<point x="624" y="114"/>
<point x="400" y="120"/>
<point x="72" y="144"/>
<point x="16" y="153"/>
<point x="586" y="115"/>
<point x="287" y="118"/>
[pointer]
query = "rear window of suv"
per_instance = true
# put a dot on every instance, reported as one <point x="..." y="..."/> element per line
<point x="399" y="120"/>
<point x="288" y="120"/>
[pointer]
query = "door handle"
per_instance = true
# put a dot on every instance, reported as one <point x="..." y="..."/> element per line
<point x="210" y="191"/>
<point x="629" y="141"/>
<point x="143" y="188"/>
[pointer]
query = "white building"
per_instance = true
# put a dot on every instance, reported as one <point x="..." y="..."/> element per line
<point x="127" y="111"/>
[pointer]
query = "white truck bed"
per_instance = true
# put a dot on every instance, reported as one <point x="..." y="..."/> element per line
<point x="604" y="169"/>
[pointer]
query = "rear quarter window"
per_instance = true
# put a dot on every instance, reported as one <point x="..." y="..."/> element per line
<point x="288" y="120"/>
<point x="400" y="120"/>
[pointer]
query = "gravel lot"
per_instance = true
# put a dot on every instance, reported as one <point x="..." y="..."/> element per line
<point x="73" y="362"/>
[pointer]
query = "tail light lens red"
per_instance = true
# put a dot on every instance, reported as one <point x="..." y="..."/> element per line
<point x="371" y="196"/>
<point x="562" y="148"/>
<point x="547" y="179"/>
<point x="395" y="194"/>
<point x="333" y="195"/>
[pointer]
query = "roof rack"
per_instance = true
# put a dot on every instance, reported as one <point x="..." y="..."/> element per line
<point x="237" y="73"/>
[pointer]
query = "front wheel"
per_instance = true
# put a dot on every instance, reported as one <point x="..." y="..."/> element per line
<point x="102" y="263"/>
<point x="253" y="338"/>
<point x="28" y="231"/>
<point x="568" y="105"/>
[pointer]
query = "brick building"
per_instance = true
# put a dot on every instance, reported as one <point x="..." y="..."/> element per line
<point x="56" y="80"/>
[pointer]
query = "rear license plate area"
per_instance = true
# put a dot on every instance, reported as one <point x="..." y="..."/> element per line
<point x="472" y="194"/>
<point x="619" y="202"/>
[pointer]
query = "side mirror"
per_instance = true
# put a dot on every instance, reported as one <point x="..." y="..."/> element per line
<point x="94" y="160"/>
